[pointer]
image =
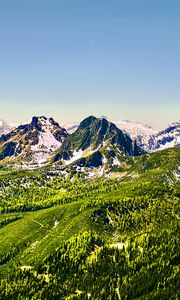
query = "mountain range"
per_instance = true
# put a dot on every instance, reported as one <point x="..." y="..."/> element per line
<point x="95" y="142"/>
<point x="148" y="138"/>
<point x="168" y="138"/>
<point x="67" y="232"/>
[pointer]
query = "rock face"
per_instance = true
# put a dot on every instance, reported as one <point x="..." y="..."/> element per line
<point x="34" y="142"/>
<point x="96" y="135"/>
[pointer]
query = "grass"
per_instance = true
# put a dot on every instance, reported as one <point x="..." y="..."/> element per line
<point x="30" y="239"/>
<point x="143" y="208"/>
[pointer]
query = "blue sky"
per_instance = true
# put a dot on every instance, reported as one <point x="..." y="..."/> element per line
<point x="72" y="58"/>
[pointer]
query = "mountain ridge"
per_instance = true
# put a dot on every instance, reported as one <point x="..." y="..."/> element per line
<point x="95" y="142"/>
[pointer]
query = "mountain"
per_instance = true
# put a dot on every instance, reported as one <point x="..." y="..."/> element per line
<point x="6" y="127"/>
<point x="96" y="142"/>
<point x="71" y="127"/>
<point x="150" y="139"/>
<point x="168" y="138"/>
<point x="135" y="129"/>
<point x="138" y="131"/>
<point x="32" y="144"/>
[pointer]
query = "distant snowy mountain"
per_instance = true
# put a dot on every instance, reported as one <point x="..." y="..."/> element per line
<point x="71" y="127"/>
<point x="168" y="138"/>
<point x="150" y="139"/>
<point x="5" y="127"/>
<point x="135" y="129"/>
<point x="32" y="144"/>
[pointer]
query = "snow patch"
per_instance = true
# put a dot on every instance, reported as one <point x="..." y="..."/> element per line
<point x="76" y="155"/>
<point x="104" y="160"/>
<point x="47" y="144"/>
<point x="116" y="162"/>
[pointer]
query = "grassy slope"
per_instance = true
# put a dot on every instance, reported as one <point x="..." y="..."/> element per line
<point x="31" y="239"/>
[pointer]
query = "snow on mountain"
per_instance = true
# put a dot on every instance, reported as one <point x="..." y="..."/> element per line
<point x="33" y="143"/>
<point x="174" y="123"/>
<point x="47" y="141"/>
<point x="149" y="138"/>
<point x="6" y="127"/>
<point x="135" y="129"/>
<point x="71" y="127"/>
<point x="168" y="138"/>
<point x="89" y="145"/>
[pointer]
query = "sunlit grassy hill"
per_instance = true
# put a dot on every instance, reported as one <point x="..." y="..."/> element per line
<point x="73" y="237"/>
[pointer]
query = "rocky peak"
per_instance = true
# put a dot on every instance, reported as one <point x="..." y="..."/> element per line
<point x="87" y="122"/>
<point x="34" y="141"/>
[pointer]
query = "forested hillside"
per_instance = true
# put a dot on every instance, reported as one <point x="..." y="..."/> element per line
<point x="104" y="237"/>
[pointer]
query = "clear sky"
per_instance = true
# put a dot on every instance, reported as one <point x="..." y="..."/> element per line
<point x="72" y="58"/>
